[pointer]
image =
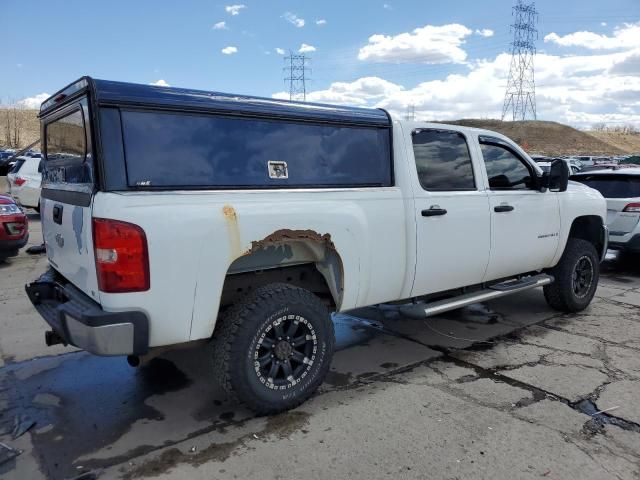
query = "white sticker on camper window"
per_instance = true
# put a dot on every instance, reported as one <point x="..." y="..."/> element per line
<point x="278" y="170"/>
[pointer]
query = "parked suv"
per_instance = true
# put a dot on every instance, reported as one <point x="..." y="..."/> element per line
<point x="24" y="181"/>
<point x="14" y="228"/>
<point x="280" y="213"/>
<point x="621" y="188"/>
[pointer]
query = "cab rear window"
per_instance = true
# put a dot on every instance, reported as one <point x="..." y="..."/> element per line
<point x="66" y="139"/>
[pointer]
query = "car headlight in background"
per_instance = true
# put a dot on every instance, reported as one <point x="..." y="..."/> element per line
<point x="9" y="209"/>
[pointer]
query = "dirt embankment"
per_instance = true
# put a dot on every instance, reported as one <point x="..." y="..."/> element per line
<point x="629" y="142"/>
<point x="550" y="138"/>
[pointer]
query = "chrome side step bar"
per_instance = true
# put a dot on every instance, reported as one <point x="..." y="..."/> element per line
<point x="495" y="291"/>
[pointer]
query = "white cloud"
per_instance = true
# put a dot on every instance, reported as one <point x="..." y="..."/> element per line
<point x="234" y="9"/>
<point x="321" y="22"/>
<point x="220" y="26"/>
<point x="293" y="19"/>
<point x="603" y="24"/>
<point x="485" y="32"/>
<point x="365" y="91"/>
<point x="34" y="102"/>
<point x="386" y="6"/>
<point x="160" y="83"/>
<point x="280" y="51"/>
<point x="580" y="90"/>
<point x="428" y="44"/>
<point x="625" y="36"/>
<point x="304" y="48"/>
<point x="230" y="50"/>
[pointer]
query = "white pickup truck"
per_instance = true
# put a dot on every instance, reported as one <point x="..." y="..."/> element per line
<point x="174" y="216"/>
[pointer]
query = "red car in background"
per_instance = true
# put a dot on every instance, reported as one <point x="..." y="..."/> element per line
<point x="14" y="228"/>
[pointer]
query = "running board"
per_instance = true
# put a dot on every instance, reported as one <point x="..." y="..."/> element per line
<point x="495" y="291"/>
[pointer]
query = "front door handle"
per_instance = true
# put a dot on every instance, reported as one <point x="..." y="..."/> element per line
<point x="503" y="208"/>
<point x="434" y="212"/>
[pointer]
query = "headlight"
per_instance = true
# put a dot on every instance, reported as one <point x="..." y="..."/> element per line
<point x="9" y="209"/>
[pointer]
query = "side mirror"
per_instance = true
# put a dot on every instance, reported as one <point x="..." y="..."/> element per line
<point x="557" y="178"/>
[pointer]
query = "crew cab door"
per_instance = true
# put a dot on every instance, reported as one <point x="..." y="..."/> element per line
<point x="525" y="222"/>
<point x="451" y="212"/>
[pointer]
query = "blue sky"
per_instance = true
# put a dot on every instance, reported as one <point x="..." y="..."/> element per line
<point x="53" y="42"/>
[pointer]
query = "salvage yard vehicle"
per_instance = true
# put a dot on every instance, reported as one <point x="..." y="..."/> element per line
<point x="24" y="181"/>
<point x="14" y="228"/>
<point x="621" y="189"/>
<point x="280" y="213"/>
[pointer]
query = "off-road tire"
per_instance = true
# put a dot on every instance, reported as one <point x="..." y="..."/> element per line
<point x="562" y="294"/>
<point x="240" y="334"/>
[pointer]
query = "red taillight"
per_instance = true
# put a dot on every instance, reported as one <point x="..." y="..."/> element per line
<point x="632" y="207"/>
<point x="18" y="182"/>
<point x="15" y="228"/>
<point x="122" y="260"/>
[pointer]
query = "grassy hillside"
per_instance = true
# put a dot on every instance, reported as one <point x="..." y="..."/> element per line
<point x="548" y="138"/>
<point x="629" y="142"/>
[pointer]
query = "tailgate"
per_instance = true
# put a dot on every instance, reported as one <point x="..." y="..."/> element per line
<point x="67" y="195"/>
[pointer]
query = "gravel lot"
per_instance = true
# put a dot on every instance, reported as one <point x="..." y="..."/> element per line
<point x="503" y="390"/>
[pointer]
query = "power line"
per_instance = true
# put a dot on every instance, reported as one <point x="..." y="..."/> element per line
<point x="520" y="97"/>
<point x="296" y="69"/>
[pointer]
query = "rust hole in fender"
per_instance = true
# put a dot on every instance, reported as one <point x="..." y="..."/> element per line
<point x="284" y="235"/>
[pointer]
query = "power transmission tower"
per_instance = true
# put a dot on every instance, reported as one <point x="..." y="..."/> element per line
<point x="520" y="98"/>
<point x="411" y="112"/>
<point x="296" y="69"/>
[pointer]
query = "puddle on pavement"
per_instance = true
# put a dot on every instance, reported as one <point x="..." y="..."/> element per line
<point x="89" y="401"/>
<point x="92" y="402"/>
<point x="603" y="418"/>
<point x="82" y="403"/>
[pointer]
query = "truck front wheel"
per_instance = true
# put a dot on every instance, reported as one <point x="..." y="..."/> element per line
<point x="272" y="349"/>
<point x="576" y="277"/>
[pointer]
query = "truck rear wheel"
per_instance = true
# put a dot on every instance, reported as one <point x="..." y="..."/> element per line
<point x="272" y="349"/>
<point x="576" y="277"/>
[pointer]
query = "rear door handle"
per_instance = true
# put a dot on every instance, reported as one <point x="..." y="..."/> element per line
<point x="434" y="211"/>
<point x="57" y="214"/>
<point x="503" y="208"/>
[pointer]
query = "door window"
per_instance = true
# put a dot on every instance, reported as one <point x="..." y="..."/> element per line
<point x="443" y="160"/>
<point x="66" y="138"/>
<point x="505" y="170"/>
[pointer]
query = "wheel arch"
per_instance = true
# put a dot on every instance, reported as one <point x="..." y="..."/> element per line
<point x="589" y="228"/>
<point x="301" y="258"/>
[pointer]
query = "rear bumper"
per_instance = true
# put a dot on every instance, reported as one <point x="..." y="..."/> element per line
<point x="81" y="322"/>
<point x="11" y="247"/>
<point x="631" y="245"/>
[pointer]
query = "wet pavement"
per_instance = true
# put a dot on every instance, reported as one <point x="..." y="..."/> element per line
<point x="508" y="389"/>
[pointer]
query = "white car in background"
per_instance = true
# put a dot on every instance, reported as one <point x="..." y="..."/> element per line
<point x="24" y="181"/>
<point x="621" y="189"/>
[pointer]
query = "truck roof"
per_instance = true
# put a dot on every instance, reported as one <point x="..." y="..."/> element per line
<point x="107" y="92"/>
